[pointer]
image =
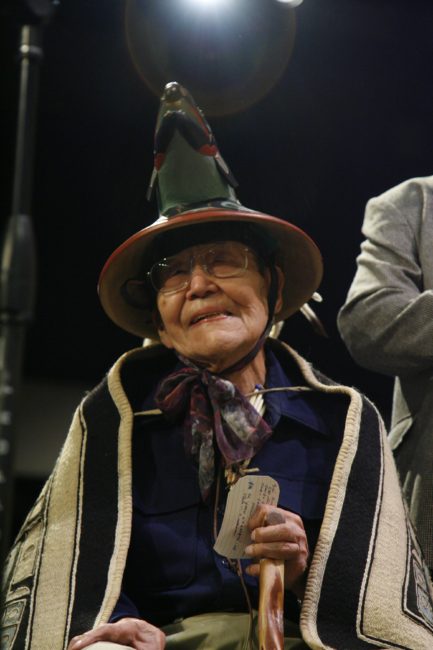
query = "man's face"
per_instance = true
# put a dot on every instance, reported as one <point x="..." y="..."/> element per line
<point x="215" y="320"/>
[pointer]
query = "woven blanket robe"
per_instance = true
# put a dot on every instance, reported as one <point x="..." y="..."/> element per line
<point x="367" y="585"/>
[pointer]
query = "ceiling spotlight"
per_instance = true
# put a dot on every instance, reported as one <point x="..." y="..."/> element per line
<point x="291" y="3"/>
<point x="228" y="53"/>
<point x="207" y="3"/>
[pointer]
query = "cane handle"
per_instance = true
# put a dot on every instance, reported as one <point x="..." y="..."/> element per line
<point x="271" y="597"/>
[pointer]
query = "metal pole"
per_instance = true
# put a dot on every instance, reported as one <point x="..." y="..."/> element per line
<point x="17" y="270"/>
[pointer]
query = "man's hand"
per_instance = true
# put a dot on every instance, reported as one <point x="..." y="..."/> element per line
<point x="132" y="632"/>
<point x="286" y="541"/>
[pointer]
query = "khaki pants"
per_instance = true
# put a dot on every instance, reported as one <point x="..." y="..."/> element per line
<point x="216" y="631"/>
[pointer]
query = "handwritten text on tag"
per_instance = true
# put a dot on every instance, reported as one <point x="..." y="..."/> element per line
<point x="242" y="500"/>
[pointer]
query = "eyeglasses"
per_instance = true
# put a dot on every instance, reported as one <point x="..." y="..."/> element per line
<point x="221" y="260"/>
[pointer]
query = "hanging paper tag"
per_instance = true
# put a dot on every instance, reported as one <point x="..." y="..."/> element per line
<point x="242" y="500"/>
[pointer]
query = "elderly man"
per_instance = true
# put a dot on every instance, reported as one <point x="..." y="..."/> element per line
<point x="119" y="549"/>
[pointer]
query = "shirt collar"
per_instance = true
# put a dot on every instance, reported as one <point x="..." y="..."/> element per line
<point x="289" y="404"/>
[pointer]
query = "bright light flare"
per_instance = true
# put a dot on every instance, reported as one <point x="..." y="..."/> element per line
<point x="207" y="4"/>
<point x="228" y="53"/>
<point x="291" y="3"/>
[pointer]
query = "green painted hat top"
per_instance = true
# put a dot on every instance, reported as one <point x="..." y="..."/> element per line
<point x="188" y="167"/>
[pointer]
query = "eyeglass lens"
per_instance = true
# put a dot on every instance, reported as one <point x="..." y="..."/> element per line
<point x="224" y="260"/>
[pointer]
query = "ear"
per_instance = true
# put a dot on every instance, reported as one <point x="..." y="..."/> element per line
<point x="164" y="337"/>
<point x="281" y="281"/>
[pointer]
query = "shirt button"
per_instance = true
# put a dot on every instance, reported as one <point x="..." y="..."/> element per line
<point x="224" y="562"/>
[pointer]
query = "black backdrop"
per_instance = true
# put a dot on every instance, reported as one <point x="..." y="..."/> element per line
<point x="351" y="116"/>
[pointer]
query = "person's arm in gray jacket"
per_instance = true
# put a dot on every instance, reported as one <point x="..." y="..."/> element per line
<point x="387" y="320"/>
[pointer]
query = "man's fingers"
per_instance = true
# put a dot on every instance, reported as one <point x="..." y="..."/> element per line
<point x="102" y="633"/>
<point x="132" y="632"/>
<point x="284" y="550"/>
<point x="258" y="518"/>
<point x="79" y="642"/>
<point x="253" y="569"/>
<point x="288" y="531"/>
<point x="278" y="534"/>
<point x="274" y="517"/>
<point x="266" y="516"/>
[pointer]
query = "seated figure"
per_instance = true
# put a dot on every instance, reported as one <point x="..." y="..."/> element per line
<point x="118" y="551"/>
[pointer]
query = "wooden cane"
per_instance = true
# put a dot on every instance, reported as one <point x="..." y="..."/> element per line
<point x="271" y="597"/>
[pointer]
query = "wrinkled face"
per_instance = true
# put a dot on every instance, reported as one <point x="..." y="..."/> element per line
<point x="215" y="320"/>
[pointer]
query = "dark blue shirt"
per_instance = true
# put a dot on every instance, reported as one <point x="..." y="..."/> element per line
<point x="172" y="570"/>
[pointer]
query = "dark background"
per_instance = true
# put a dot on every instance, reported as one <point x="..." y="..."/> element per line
<point x="350" y="117"/>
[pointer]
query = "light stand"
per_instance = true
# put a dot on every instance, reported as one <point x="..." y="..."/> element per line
<point x="18" y="256"/>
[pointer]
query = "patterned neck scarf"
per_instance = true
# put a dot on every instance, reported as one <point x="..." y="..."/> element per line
<point x="212" y="408"/>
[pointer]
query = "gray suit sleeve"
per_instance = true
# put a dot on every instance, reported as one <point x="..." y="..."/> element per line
<point x="387" y="320"/>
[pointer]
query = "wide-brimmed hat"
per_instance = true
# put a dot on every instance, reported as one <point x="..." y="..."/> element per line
<point x="195" y="191"/>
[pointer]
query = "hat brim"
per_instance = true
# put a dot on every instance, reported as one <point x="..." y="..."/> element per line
<point x="297" y="255"/>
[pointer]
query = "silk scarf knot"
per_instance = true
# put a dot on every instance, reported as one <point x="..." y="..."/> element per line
<point x="212" y="408"/>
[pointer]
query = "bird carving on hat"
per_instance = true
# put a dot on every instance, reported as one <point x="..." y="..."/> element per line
<point x="182" y="128"/>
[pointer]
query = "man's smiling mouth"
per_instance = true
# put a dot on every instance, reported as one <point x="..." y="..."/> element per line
<point x="209" y="316"/>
